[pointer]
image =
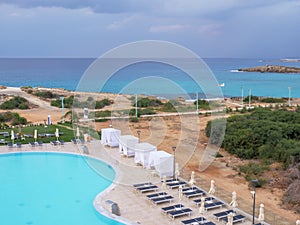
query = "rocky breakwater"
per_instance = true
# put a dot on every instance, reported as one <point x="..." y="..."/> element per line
<point x="271" y="69"/>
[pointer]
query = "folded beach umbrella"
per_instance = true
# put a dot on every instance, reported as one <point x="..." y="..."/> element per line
<point x="177" y="172"/>
<point x="35" y="135"/>
<point x="202" y="209"/>
<point x="180" y="194"/>
<point x="77" y="133"/>
<point x="57" y="133"/>
<point x="192" y="180"/>
<point x="12" y="134"/>
<point x="230" y="219"/>
<point x="233" y="202"/>
<point x="261" y="216"/>
<point x="212" y="189"/>
<point x="164" y="183"/>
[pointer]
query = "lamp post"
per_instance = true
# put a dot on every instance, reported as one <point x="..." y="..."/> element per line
<point x="174" y="149"/>
<point x="253" y="196"/>
<point x="139" y="134"/>
<point x="289" y="96"/>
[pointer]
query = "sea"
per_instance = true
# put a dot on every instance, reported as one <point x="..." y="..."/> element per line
<point x="68" y="73"/>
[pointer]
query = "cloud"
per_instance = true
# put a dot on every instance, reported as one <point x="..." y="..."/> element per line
<point x="168" y="28"/>
<point x="116" y="25"/>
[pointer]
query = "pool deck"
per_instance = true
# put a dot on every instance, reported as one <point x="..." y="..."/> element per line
<point x="134" y="206"/>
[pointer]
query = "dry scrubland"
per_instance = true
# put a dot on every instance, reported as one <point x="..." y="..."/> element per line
<point x="168" y="131"/>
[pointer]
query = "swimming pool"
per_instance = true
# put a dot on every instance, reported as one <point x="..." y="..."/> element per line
<point x="51" y="189"/>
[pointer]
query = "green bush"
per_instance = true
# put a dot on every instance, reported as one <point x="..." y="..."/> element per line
<point x="101" y="104"/>
<point x="263" y="134"/>
<point x="12" y="118"/>
<point x="16" y="102"/>
<point x="68" y="102"/>
<point x="146" y="102"/>
<point x="273" y="100"/>
<point x="168" y="107"/>
<point x="45" y="94"/>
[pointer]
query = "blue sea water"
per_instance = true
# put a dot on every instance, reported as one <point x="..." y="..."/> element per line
<point x="66" y="73"/>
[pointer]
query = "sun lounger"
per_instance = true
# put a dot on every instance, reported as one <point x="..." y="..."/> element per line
<point x="40" y="143"/>
<point x="55" y="143"/>
<point x="10" y="145"/>
<point x="213" y="205"/>
<point x="208" y="223"/>
<point x="236" y="219"/>
<point x="143" y="184"/>
<point x="147" y="188"/>
<point x="194" y="220"/>
<point x="179" y="212"/>
<point x="161" y="194"/>
<point x="61" y="142"/>
<point x="176" y="184"/>
<point x="193" y="193"/>
<point x="222" y="215"/>
<point x="19" y="144"/>
<point x="171" y="208"/>
<point x="160" y="200"/>
<point x="171" y="180"/>
<point x="207" y="200"/>
<point x="32" y="144"/>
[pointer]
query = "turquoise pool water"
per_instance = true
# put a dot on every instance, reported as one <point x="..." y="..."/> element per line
<point x="51" y="189"/>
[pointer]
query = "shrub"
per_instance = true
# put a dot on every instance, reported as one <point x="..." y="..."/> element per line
<point x="101" y="104"/>
<point x="45" y="94"/>
<point x="273" y="100"/>
<point x="16" y="102"/>
<point x="146" y="102"/>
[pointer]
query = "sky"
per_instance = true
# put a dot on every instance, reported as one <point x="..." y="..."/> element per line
<point x="210" y="28"/>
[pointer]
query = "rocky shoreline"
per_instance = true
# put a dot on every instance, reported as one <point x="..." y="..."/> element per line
<point x="271" y="69"/>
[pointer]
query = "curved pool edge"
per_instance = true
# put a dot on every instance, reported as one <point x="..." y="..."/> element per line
<point x="97" y="203"/>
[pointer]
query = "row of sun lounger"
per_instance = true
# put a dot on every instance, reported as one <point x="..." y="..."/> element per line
<point x="34" y="144"/>
<point x="178" y="210"/>
<point x="55" y="143"/>
<point x="145" y="187"/>
<point x="198" y="220"/>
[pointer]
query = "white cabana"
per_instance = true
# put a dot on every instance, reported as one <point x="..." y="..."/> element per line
<point x="126" y="144"/>
<point x="110" y="137"/>
<point x="142" y="152"/>
<point x="162" y="162"/>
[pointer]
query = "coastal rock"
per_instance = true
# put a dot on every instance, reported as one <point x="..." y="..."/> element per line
<point x="271" y="69"/>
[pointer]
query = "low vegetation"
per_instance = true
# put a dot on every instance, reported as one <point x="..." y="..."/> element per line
<point x="11" y="118"/>
<point x="264" y="134"/>
<point x="16" y="102"/>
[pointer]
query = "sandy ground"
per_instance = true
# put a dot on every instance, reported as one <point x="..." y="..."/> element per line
<point x="187" y="134"/>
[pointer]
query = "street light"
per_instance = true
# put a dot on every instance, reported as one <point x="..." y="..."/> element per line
<point x="139" y="133"/>
<point x="253" y="196"/>
<point x="174" y="148"/>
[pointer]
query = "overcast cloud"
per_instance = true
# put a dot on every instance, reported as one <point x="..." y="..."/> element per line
<point x="88" y="28"/>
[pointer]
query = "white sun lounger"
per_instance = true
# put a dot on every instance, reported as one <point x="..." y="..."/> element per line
<point x="160" y="200"/>
<point x="236" y="219"/>
<point x="179" y="212"/>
